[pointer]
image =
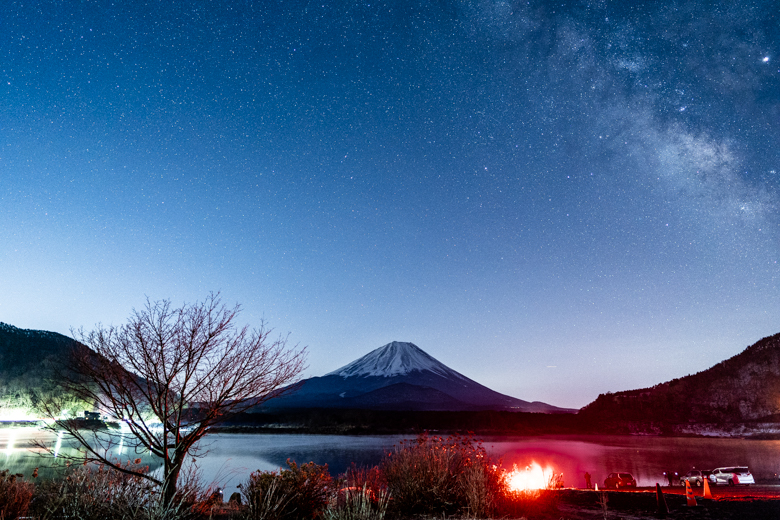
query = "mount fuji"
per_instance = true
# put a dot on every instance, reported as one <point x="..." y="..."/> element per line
<point x="400" y="376"/>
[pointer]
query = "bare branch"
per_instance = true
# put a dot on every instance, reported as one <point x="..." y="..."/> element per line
<point x="169" y="374"/>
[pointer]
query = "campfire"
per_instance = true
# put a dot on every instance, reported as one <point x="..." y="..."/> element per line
<point x="531" y="477"/>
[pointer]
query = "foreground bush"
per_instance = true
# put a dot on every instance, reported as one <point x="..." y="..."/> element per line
<point x="428" y="476"/>
<point x="434" y="475"/>
<point x="352" y="503"/>
<point x="99" y="494"/>
<point x="300" y="492"/>
<point x="15" y="495"/>
<point x="363" y="496"/>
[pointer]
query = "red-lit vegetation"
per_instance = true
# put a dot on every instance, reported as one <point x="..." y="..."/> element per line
<point x="15" y="495"/>
<point x="426" y="477"/>
<point x="299" y="492"/>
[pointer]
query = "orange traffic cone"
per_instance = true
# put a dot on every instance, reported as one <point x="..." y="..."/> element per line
<point x="689" y="495"/>
<point x="707" y="492"/>
<point x="663" y="509"/>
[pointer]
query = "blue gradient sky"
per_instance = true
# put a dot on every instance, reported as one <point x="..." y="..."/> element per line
<point x="556" y="200"/>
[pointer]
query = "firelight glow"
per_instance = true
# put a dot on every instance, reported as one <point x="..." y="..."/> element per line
<point x="531" y="478"/>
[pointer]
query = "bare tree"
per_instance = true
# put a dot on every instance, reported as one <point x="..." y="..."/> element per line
<point x="169" y="375"/>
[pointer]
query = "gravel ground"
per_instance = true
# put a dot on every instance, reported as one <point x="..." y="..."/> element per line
<point x="759" y="503"/>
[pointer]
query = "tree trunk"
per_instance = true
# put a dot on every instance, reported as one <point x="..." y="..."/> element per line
<point x="169" y="486"/>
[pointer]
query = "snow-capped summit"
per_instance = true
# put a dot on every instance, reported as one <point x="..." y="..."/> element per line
<point x="400" y="376"/>
<point x="395" y="359"/>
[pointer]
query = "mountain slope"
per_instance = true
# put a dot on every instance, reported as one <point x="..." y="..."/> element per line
<point x="400" y="376"/>
<point x="29" y="360"/>
<point x="23" y="352"/>
<point x="745" y="387"/>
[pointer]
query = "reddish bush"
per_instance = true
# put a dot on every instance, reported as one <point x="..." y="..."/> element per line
<point x="15" y="495"/>
<point x="300" y="492"/>
<point x="436" y="475"/>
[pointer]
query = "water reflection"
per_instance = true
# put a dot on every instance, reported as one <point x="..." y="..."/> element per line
<point x="59" y="443"/>
<point x="233" y="456"/>
<point x="22" y="454"/>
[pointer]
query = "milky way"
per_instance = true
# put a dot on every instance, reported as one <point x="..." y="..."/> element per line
<point x="556" y="200"/>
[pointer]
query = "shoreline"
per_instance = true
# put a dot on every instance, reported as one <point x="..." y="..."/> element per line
<point x="768" y="434"/>
<point x="287" y="430"/>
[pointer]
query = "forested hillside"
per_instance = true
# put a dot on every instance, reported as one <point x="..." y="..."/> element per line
<point x="28" y="361"/>
<point x="743" y="388"/>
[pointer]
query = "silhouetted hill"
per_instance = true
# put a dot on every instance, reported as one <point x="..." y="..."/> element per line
<point x="24" y="352"/>
<point x="29" y="360"/>
<point x="744" y="388"/>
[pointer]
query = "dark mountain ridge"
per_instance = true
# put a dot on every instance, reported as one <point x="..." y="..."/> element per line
<point x="23" y="351"/>
<point x="29" y="362"/>
<point x="743" y="388"/>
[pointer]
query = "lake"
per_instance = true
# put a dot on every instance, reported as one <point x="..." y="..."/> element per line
<point x="232" y="457"/>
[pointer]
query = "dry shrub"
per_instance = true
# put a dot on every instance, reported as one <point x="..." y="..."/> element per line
<point x="15" y="495"/>
<point x="101" y="493"/>
<point x="300" y="492"/>
<point x="481" y="487"/>
<point x="358" y="504"/>
<point x="363" y="497"/>
<point x="436" y="475"/>
<point x="370" y="478"/>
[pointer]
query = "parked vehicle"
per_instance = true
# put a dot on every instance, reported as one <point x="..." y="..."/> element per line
<point x="620" y="480"/>
<point x="731" y="476"/>
<point x="695" y="477"/>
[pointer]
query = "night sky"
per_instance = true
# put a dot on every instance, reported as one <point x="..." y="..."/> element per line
<point x="555" y="199"/>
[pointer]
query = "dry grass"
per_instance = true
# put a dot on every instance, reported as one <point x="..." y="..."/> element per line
<point x="298" y="493"/>
<point x="99" y="493"/>
<point x="432" y="477"/>
<point x="15" y="495"/>
<point x="353" y="503"/>
<point x="436" y="475"/>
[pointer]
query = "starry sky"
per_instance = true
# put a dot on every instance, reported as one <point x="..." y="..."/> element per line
<point x="556" y="199"/>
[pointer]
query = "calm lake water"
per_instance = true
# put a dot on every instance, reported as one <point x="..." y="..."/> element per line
<point x="232" y="457"/>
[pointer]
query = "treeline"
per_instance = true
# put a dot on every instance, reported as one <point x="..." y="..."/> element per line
<point x="350" y="421"/>
<point x="30" y="361"/>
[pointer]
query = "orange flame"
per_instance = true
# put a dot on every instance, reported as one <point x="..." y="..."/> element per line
<point x="532" y="477"/>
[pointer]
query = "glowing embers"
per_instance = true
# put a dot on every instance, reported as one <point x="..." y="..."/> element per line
<point x="532" y="477"/>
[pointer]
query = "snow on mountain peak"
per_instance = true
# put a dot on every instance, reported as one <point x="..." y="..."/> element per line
<point x="394" y="359"/>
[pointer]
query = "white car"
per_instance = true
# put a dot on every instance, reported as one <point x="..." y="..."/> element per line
<point x="732" y="475"/>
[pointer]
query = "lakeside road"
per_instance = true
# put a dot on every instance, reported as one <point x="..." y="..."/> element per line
<point x="763" y="491"/>
<point x="760" y="502"/>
